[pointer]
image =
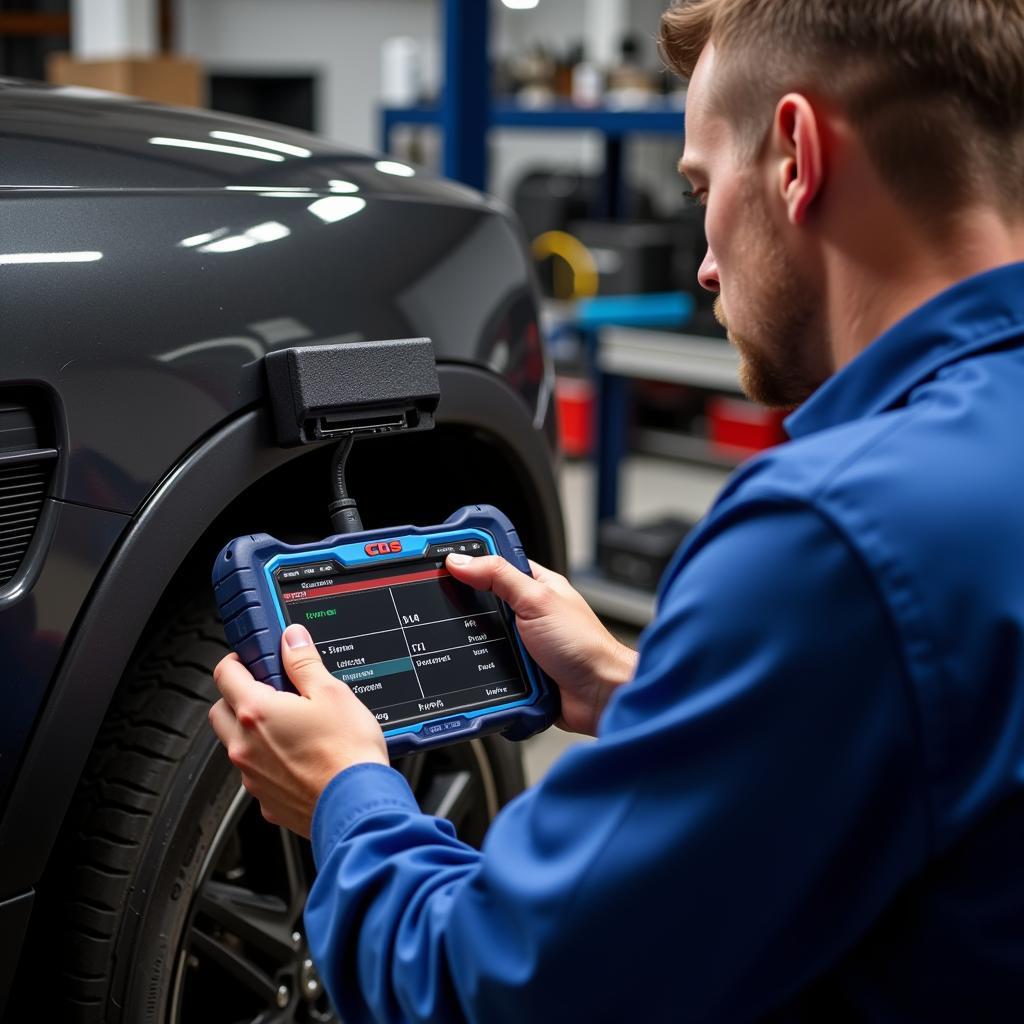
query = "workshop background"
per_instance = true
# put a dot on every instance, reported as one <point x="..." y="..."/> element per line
<point x="561" y="109"/>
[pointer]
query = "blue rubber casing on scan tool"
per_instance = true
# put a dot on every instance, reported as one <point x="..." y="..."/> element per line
<point x="253" y="619"/>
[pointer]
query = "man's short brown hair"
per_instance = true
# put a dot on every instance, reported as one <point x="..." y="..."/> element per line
<point x="934" y="87"/>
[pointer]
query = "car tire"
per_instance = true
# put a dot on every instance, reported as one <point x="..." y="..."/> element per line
<point x="177" y="901"/>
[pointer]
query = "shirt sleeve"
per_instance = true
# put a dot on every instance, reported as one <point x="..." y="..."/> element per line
<point x="753" y="800"/>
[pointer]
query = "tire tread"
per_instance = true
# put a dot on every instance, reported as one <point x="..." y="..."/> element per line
<point x="160" y="706"/>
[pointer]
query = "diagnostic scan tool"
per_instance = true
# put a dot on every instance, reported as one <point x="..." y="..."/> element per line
<point x="435" y="660"/>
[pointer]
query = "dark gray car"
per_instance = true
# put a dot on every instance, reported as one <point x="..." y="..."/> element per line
<point x="149" y="259"/>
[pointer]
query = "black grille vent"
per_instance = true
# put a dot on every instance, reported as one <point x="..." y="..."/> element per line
<point x="22" y="491"/>
<point x="27" y="463"/>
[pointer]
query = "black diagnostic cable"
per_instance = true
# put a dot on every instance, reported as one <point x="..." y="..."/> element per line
<point x="343" y="511"/>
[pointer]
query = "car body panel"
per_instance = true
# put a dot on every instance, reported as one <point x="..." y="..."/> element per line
<point x="77" y="138"/>
<point x="152" y="547"/>
<point x="165" y="273"/>
<point x="34" y="630"/>
<point x="141" y="283"/>
<point x="153" y="344"/>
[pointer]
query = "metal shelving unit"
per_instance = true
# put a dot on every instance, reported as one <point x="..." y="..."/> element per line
<point x="674" y="358"/>
<point x="621" y="355"/>
<point x="466" y="112"/>
<point x="661" y="119"/>
<point x="671" y="444"/>
<point x="465" y="115"/>
<point x="461" y="153"/>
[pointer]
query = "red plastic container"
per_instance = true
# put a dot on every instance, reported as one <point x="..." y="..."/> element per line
<point x="574" y="397"/>
<point x="738" y="428"/>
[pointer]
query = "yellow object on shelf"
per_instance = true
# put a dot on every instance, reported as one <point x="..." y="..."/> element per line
<point x="576" y="255"/>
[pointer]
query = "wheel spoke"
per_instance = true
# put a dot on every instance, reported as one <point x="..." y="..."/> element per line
<point x="250" y="938"/>
<point x="295" y="873"/>
<point x="449" y="795"/>
<point x="263" y="920"/>
<point x="239" y="967"/>
<point x="285" y="1016"/>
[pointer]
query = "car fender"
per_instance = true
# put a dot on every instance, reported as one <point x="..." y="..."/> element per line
<point x="145" y="561"/>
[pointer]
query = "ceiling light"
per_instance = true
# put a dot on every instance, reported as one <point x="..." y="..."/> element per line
<point x="256" y="140"/>
<point x="193" y="240"/>
<point x="331" y="209"/>
<point x="394" y="167"/>
<point x="230" y="244"/>
<point x="270" y="231"/>
<point x="7" y="258"/>
<point x="214" y="147"/>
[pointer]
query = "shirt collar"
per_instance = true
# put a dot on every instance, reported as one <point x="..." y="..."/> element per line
<point x="974" y="314"/>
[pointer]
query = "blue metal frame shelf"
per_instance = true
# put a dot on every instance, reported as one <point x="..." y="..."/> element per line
<point x="465" y="156"/>
<point x="661" y="120"/>
<point x="465" y="111"/>
<point x="465" y="114"/>
<point x="624" y="354"/>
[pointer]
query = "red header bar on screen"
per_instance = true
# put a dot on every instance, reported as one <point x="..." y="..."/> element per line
<point x="350" y="588"/>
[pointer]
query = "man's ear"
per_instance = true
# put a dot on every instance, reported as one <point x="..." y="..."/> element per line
<point x="798" y="146"/>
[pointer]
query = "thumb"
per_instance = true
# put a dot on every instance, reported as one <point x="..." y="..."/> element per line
<point x="301" y="660"/>
<point x="492" y="572"/>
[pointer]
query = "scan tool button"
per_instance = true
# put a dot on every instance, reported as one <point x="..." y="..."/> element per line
<point x="309" y="570"/>
<point x="288" y="574"/>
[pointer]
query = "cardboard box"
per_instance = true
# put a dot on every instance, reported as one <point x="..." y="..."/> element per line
<point x="161" y="79"/>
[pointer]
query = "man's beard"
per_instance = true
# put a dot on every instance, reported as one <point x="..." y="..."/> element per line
<point x="776" y="352"/>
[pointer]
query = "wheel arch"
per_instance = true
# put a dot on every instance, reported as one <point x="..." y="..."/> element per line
<point x="218" y="488"/>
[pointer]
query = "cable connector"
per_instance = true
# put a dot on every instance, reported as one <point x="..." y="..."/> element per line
<point x="343" y="512"/>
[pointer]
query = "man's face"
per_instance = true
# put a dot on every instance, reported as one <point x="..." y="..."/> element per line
<point x="765" y="299"/>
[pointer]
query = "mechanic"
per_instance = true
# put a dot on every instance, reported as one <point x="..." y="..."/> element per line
<point x="806" y="797"/>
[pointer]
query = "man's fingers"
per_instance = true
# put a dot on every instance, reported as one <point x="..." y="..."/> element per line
<point x="224" y="723"/>
<point x="550" y="578"/>
<point x="502" y="578"/>
<point x="222" y="665"/>
<point x="301" y="660"/>
<point x="542" y="572"/>
<point x="236" y="683"/>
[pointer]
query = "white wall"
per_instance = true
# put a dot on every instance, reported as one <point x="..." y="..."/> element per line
<point x="338" y="39"/>
<point x="341" y="41"/>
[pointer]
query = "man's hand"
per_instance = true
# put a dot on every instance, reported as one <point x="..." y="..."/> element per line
<point x="560" y="631"/>
<point x="288" y="746"/>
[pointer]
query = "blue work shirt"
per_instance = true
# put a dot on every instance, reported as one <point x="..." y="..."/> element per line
<point x="809" y="802"/>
